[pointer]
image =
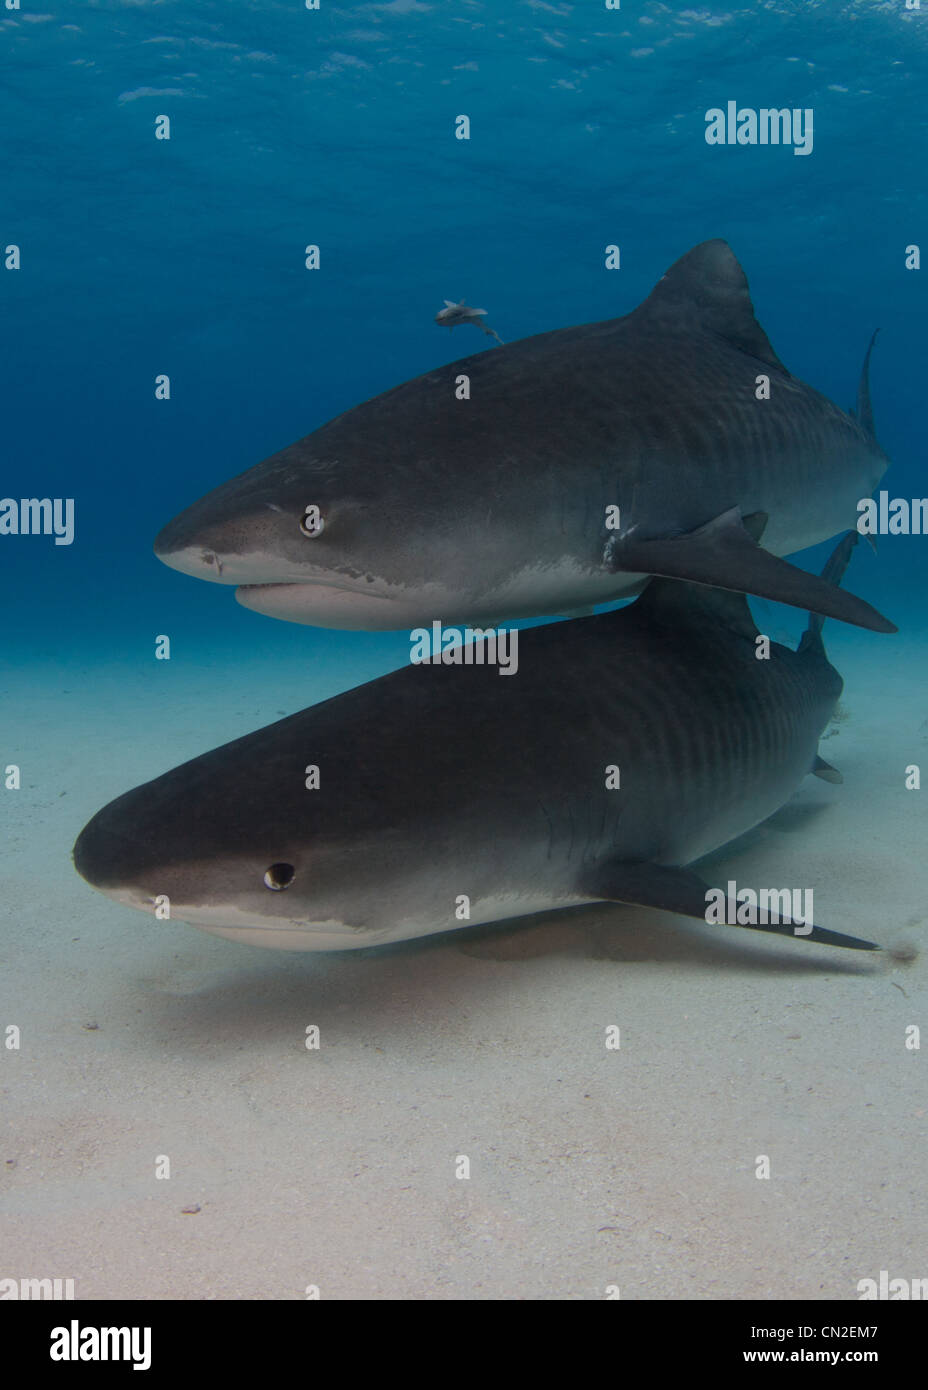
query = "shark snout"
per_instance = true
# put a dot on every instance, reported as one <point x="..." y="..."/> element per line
<point x="262" y="546"/>
<point x="112" y="861"/>
<point x="135" y="849"/>
<point x="122" y="854"/>
<point x="193" y="550"/>
<point x="257" y="899"/>
<point x="197" y="560"/>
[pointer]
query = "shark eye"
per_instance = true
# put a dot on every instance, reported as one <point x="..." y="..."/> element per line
<point x="312" y="522"/>
<point x="279" y="876"/>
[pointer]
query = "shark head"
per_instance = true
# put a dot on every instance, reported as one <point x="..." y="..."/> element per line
<point x="304" y="538"/>
<point x="233" y="842"/>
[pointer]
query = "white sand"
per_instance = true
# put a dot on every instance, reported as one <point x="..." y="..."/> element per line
<point x="337" y="1168"/>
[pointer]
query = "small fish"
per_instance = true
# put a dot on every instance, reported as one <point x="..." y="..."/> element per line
<point x="453" y="314"/>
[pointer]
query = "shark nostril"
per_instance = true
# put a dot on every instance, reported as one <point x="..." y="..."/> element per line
<point x="209" y="557"/>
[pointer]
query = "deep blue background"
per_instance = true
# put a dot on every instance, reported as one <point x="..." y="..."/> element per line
<point x="336" y="127"/>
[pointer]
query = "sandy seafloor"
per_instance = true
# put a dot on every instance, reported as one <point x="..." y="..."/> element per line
<point x="336" y="1167"/>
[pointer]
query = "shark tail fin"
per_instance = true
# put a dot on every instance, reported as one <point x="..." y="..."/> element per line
<point x="833" y="573"/>
<point x="864" y="411"/>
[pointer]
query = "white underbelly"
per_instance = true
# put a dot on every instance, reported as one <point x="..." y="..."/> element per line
<point x="536" y="591"/>
<point x="334" y="936"/>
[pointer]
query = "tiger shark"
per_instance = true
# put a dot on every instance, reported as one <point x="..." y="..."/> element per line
<point x="553" y="474"/>
<point x="629" y="745"/>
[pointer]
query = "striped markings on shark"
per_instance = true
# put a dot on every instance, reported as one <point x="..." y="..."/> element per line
<point x="515" y="815"/>
<point x="656" y="415"/>
<point x="492" y="507"/>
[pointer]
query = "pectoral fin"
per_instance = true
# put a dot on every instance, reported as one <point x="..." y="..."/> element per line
<point x="724" y="554"/>
<point x="683" y="891"/>
<point x="825" y="770"/>
<point x="588" y="610"/>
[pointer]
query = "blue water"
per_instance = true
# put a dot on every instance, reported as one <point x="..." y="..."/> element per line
<point x="185" y="257"/>
<point x="337" y="127"/>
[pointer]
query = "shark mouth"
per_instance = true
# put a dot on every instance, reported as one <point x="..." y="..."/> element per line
<point x="318" y="600"/>
<point x="320" y="605"/>
<point x="230" y="921"/>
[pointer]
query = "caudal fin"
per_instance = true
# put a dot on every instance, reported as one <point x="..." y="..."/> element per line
<point x="864" y="406"/>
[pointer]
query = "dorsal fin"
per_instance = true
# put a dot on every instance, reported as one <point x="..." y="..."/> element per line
<point x="678" y="600"/>
<point x="707" y="289"/>
<point x="864" y="412"/>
